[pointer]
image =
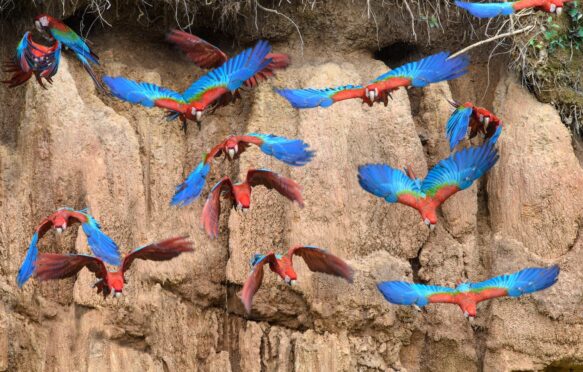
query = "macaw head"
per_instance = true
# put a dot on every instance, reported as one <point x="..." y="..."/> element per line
<point x="42" y="22"/>
<point x="469" y="309"/>
<point x="554" y="6"/>
<point x="115" y="283"/>
<point x="60" y="223"/>
<point x="231" y="147"/>
<point x="194" y="111"/>
<point x="429" y="217"/>
<point x="242" y="193"/>
<point x="287" y="271"/>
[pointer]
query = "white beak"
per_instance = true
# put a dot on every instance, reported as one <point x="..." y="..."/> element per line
<point x="117" y="294"/>
<point x="292" y="282"/>
<point x="553" y="8"/>
<point x="198" y="115"/>
<point x="231" y="153"/>
<point x="432" y="227"/>
<point x="426" y="221"/>
<point x="245" y="210"/>
<point x="371" y="95"/>
<point x="486" y="121"/>
<point x="286" y="279"/>
<point x="59" y="230"/>
<point x="37" y="25"/>
<point x="559" y="11"/>
<point x="471" y="318"/>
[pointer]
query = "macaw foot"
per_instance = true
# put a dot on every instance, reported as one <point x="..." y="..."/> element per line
<point x="477" y="327"/>
<point x="184" y="125"/>
<point x="198" y="124"/>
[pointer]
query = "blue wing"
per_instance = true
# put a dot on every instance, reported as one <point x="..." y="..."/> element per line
<point x="310" y="97"/>
<point x="403" y="293"/>
<point x="145" y="94"/>
<point x="457" y="126"/>
<point x="233" y="73"/>
<point x="101" y="245"/>
<point x="386" y="182"/>
<point x="27" y="267"/>
<point x="290" y="151"/>
<point x="522" y="282"/>
<point x="21" y="48"/>
<point x="431" y="69"/>
<point x="461" y="169"/>
<point x="487" y="10"/>
<point x="191" y="188"/>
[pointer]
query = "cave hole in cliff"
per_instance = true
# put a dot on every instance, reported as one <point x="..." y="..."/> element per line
<point x="564" y="366"/>
<point x="398" y="53"/>
<point x="83" y="21"/>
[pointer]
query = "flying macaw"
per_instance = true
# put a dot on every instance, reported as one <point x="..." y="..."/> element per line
<point x="207" y="56"/>
<point x="240" y="195"/>
<point x="478" y="119"/>
<point x="468" y="295"/>
<point x="33" y="58"/>
<point x="417" y="74"/>
<point x="102" y="245"/>
<point x="57" y="30"/>
<point x="59" y="266"/>
<point x="489" y="10"/>
<point x="450" y="175"/>
<point x="318" y="260"/>
<point x="213" y="88"/>
<point x="290" y="151"/>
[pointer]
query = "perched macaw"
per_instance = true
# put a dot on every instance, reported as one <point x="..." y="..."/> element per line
<point x="240" y="195"/>
<point x="417" y="74"/>
<point x="317" y="259"/>
<point x="102" y="245"/>
<point x="57" y="30"/>
<point x="468" y="295"/>
<point x="478" y="119"/>
<point x="489" y="10"/>
<point x="59" y="266"/>
<point x="207" y="56"/>
<point x="33" y="58"/>
<point x="450" y="175"/>
<point x="290" y="151"/>
<point x="208" y="90"/>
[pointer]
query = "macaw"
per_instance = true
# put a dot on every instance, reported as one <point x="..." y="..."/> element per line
<point x="450" y="175"/>
<point x="489" y="10"/>
<point x="240" y="195"/>
<point x="290" y="151"/>
<point x="207" y="56"/>
<point x="102" y="245"/>
<point x="57" y="30"/>
<point x="33" y="58"/>
<point x="419" y="74"/>
<point x="212" y="88"/>
<point x="468" y="295"/>
<point x="478" y="119"/>
<point x="59" y="266"/>
<point x="318" y="260"/>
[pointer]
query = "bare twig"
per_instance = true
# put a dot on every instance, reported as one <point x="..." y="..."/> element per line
<point x="269" y="10"/>
<point x="496" y="37"/>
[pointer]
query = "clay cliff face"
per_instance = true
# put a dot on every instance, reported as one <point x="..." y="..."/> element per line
<point x="68" y="146"/>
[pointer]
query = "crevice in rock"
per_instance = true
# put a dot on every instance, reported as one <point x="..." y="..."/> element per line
<point x="415" y="263"/>
<point x="397" y="53"/>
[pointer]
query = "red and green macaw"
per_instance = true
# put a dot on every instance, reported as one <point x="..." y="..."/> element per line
<point x="212" y="88"/>
<point x="468" y="295"/>
<point x="449" y="176"/>
<point x="318" y="260"/>
<point x="477" y="119"/>
<point x="240" y="195"/>
<point x="59" y="266"/>
<point x="290" y="151"/>
<point x="57" y="30"/>
<point x="432" y="69"/>
<point x="33" y="58"/>
<point x="489" y="10"/>
<point x="101" y="244"/>
<point x="207" y="56"/>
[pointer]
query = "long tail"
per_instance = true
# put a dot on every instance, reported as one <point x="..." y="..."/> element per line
<point x="487" y="10"/>
<point x="102" y="245"/>
<point x="98" y="83"/>
<point x="27" y="267"/>
<point x="191" y="188"/>
<point x="457" y="126"/>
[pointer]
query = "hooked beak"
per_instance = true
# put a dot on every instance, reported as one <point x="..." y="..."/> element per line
<point x="486" y="121"/>
<point x="115" y="294"/>
<point x="37" y="25"/>
<point x="231" y="153"/>
<point x="431" y="227"/>
<point x="245" y="210"/>
<point x="59" y="230"/>
<point x="292" y="282"/>
<point x="198" y="115"/>
<point x="559" y="10"/>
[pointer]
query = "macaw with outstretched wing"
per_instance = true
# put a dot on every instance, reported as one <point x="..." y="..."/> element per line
<point x="450" y="175"/>
<point x="418" y="74"/>
<point x="291" y="151"/>
<point x="318" y="260"/>
<point x="207" y="56"/>
<point x="468" y="295"/>
<point x="33" y="58"/>
<point x="477" y="119"/>
<point x="240" y="195"/>
<point x="51" y="266"/>
<point x="101" y="245"/>
<point x="57" y="30"/>
<point x="215" y="87"/>
<point x="489" y="10"/>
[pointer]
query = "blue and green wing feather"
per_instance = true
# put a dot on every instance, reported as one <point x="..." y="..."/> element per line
<point x="27" y="268"/>
<point x="522" y="282"/>
<point x="386" y="182"/>
<point x="190" y="189"/>
<point x="145" y="94"/>
<point x="102" y="245"/>
<point x="457" y="126"/>
<point x="487" y="10"/>
<point x="290" y="151"/>
<point x="403" y="293"/>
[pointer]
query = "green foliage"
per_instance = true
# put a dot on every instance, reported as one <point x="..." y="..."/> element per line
<point x="562" y="35"/>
